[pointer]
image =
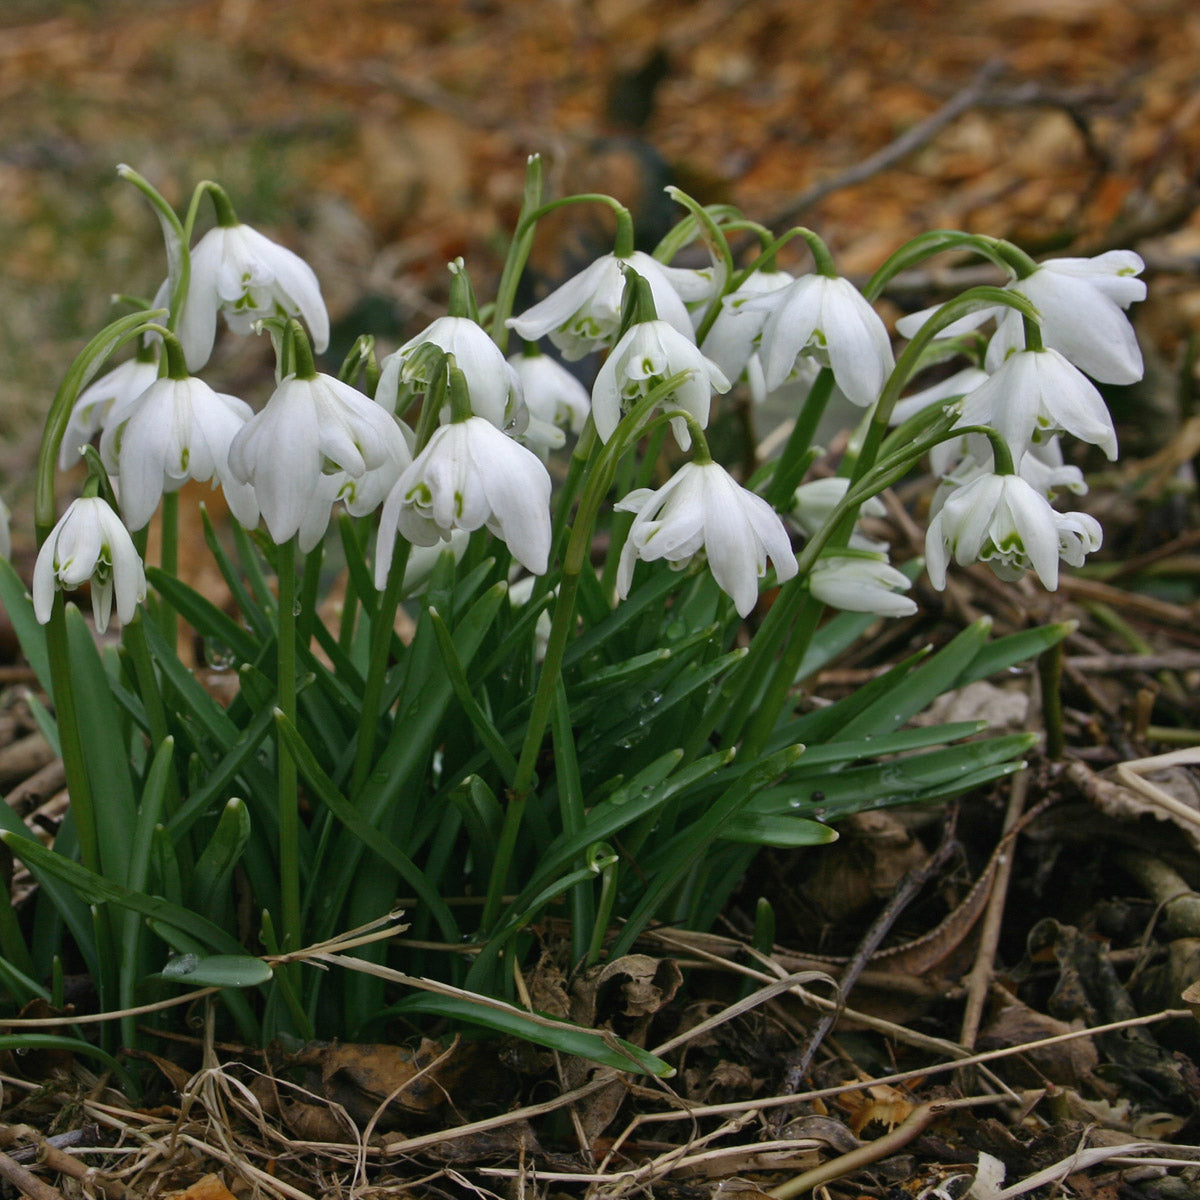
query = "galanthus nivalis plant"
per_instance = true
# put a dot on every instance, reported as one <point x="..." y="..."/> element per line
<point x="500" y="638"/>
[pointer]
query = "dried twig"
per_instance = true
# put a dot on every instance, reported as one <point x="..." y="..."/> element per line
<point x="25" y="1181"/>
<point x="901" y="897"/>
<point x="980" y="977"/>
<point x="911" y="140"/>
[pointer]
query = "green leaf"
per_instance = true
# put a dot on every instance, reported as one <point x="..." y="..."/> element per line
<point x="608" y="1050"/>
<point x="217" y="970"/>
<point x="489" y="735"/>
<point x="214" y="868"/>
<point x="93" y="889"/>
<point x="21" y="1043"/>
<point x="760" y="829"/>
<point x="941" y="673"/>
<point x="30" y="634"/>
<point x="369" y="836"/>
<point x="106" y="750"/>
<point x="203" y="615"/>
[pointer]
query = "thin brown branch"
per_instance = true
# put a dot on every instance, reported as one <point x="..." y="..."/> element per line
<point x="911" y="140"/>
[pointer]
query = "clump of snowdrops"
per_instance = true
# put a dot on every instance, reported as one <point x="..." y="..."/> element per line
<point x="595" y="722"/>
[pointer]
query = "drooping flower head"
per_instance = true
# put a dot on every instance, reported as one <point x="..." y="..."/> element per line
<point x="554" y="398"/>
<point x="1081" y="305"/>
<point x="1004" y="521"/>
<point x="861" y="583"/>
<point x="700" y="509"/>
<point x="1035" y="394"/>
<point x="470" y="475"/>
<point x="584" y="314"/>
<point x="175" y="430"/>
<point x="732" y="342"/>
<point x="89" y="542"/>
<point x="648" y="354"/>
<point x="828" y="318"/>
<point x="493" y="385"/>
<point x="312" y="428"/>
<point x="237" y="271"/>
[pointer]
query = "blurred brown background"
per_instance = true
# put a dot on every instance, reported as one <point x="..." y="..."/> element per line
<point x="381" y="139"/>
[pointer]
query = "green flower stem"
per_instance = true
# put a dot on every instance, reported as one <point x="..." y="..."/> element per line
<point x="518" y="251"/>
<point x="176" y="238"/>
<point x="531" y="214"/>
<point x="753" y="709"/>
<point x="715" y="242"/>
<point x="310" y="583"/>
<point x="289" y="812"/>
<point x="794" y="460"/>
<point x="133" y="638"/>
<point x="936" y="241"/>
<point x="381" y="636"/>
<point x="562" y="624"/>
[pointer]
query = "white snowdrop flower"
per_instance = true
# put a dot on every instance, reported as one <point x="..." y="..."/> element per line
<point x="237" y="271"/>
<point x="828" y="318"/>
<point x="122" y="383"/>
<point x="1035" y="393"/>
<point x="1003" y="521"/>
<point x="492" y="384"/>
<point x="649" y="353"/>
<point x="310" y="428"/>
<point x="584" y="314"/>
<point x="173" y="431"/>
<point x="90" y="542"/>
<point x="468" y="476"/>
<point x="814" y="502"/>
<point x="732" y="341"/>
<point x="856" y="583"/>
<point x="700" y="509"/>
<point x="1081" y="305"/>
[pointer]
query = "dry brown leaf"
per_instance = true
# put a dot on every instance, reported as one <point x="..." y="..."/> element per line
<point x="210" y="1187"/>
<point x="361" y="1077"/>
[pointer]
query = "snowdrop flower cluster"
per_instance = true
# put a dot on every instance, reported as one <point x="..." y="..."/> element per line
<point x="319" y="441"/>
<point x="1030" y="395"/>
